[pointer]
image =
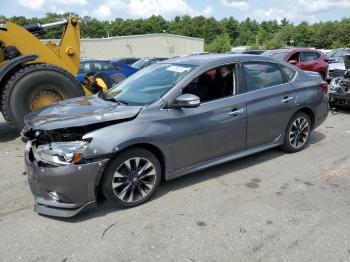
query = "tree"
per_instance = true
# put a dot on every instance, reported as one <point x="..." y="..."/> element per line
<point x="220" y="44"/>
<point x="225" y="32"/>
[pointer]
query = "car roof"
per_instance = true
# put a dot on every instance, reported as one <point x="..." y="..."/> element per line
<point x="213" y="58"/>
<point x="294" y="49"/>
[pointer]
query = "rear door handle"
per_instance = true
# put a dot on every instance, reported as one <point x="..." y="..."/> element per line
<point x="236" y="112"/>
<point x="287" y="99"/>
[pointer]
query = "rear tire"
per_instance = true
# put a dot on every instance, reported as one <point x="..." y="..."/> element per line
<point x="297" y="135"/>
<point x="131" y="178"/>
<point x="34" y="86"/>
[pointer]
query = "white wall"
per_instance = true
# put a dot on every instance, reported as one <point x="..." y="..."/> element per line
<point x="157" y="45"/>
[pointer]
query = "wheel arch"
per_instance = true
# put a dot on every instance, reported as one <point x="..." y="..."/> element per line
<point x="153" y="149"/>
<point x="10" y="66"/>
<point x="310" y="113"/>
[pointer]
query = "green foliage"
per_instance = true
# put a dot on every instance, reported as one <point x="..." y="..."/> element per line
<point x="219" y="35"/>
<point x="220" y="44"/>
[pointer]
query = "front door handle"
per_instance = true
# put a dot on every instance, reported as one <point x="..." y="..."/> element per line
<point x="287" y="99"/>
<point x="236" y="112"/>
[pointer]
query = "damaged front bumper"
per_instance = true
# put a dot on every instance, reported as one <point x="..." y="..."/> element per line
<point x="63" y="191"/>
<point x="338" y="99"/>
<point x="339" y="94"/>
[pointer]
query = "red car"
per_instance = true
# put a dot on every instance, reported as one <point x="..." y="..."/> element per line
<point x="304" y="58"/>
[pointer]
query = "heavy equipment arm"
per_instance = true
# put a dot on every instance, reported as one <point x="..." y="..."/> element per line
<point x="34" y="74"/>
<point x="16" y="40"/>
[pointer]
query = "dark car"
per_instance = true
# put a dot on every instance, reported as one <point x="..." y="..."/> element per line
<point x="247" y="51"/>
<point x="106" y="66"/>
<point x="167" y="120"/>
<point x="144" y="62"/>
<point x="305" y="58"/>
<point x="336" y="55"/>
<point x="126" y="60"/>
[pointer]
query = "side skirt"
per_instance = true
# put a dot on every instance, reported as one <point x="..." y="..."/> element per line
<point x="222" y="159"/>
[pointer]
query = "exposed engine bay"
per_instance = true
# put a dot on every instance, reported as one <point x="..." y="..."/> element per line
<point x="340" y="87"/>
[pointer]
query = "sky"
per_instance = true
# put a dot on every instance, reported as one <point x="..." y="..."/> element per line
<point x="294" y="10"/>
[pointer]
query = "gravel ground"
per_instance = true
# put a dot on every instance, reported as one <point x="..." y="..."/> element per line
<point x="268" y="207"/>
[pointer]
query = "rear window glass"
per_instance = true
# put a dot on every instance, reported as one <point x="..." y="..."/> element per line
<point x="307" y="56"/>
<point x="260" y="75"/>
<point x="317" y="55"/>
<point x="290" y="73"/>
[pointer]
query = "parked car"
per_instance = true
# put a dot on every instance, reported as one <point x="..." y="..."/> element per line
<point x="107" y="66"/>
<point x="336" y="55"/>
<point x="304" y="58"/>
<point x="339" y="94"/>
<point x="336" y="69"/>
<point x="167" y="120"/>
<point x="247" y="51"/>
<point x="144" y="62"/>
<point x="126" y="60"/>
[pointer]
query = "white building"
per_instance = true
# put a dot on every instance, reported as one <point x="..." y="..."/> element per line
<point x="152" y="45"/>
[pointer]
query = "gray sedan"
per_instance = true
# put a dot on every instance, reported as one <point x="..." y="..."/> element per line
<point x="168" y="120"/>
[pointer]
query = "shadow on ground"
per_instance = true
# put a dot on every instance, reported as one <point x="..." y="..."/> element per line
<point x="7" y="133"/>
<point x="316" y="137"/>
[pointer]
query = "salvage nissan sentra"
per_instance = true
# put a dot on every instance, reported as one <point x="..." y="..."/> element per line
<point x="168" y="120"/>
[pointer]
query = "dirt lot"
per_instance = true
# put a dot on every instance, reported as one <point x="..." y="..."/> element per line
<point x="267" y="207"/>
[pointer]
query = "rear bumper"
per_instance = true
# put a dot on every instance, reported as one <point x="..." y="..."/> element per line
<point x="66" y="190"/>
<point x="321" y="112"/>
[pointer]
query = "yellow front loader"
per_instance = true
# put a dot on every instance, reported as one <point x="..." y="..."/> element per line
<point x="34" y="74"/>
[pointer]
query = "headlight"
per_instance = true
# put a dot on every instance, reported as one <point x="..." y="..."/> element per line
<point x="334" y="84"/>
<point x="60" y="153"/>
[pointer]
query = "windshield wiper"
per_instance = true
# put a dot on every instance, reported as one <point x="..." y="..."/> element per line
<point x="112" y="99"/>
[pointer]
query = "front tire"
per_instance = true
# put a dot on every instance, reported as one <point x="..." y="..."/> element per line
<point x="298" y="133"/>
<point x="131" y="178"/>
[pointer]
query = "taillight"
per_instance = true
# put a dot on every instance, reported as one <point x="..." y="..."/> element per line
<point x="324" y="87"/>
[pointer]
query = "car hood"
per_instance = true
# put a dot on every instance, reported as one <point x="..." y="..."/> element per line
<point x="80" y="111"/>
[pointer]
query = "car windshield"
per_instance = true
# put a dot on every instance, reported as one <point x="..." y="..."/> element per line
<point x="148" y="85"/>
<point x="277" y="55"/>
<point x="332" y="53"/>
<point x="139" y="64"/>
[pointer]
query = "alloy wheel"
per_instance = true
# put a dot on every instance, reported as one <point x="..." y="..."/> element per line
<point x="299" y="132"/>
<point x="134" y="179"/>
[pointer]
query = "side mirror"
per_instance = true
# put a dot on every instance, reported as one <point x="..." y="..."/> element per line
<point x="187" y="101"/>
<point x="293" y="62"/>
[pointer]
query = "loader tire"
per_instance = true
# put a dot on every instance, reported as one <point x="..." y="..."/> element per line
<point x="35" y="86"/>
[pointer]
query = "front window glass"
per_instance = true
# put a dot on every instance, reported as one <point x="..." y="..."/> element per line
<point x="214" y="84"/>
<point x="148" y="85"/>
